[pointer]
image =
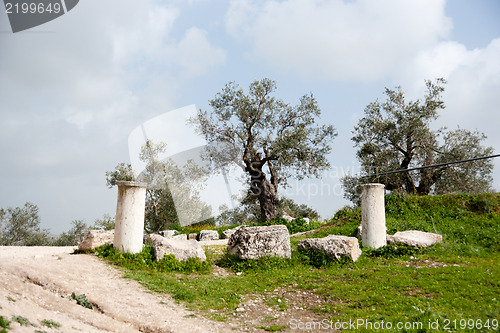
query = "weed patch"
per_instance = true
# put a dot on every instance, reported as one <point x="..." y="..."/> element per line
<point x="82" y="300"/>
<point x="145" y="260"/>
<point x="4" y="324"/>
<point x="50" y="323"/>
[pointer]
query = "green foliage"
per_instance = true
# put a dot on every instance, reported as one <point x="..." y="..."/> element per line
<point x="293" y="209"/>
<point x="22" y="321"/>
<point x="122" y="172"/>
<point x="50" y="323"/>
<point x="165" y="180"/>
<point x="394" y="283"/>
<point x="280" y="303"/>
<point x="318" y="258"/>
<point x="82" y="300"/>
<point x="276" y="141"/>
<point x="392" y="251"/>
<point x="4" y="324"/>
<point x="145" y="260"/>
<point x="246" y="265"/>
<point x="73" y="236"/>
<point x="105" y="223"/>
<point x="463" y="219"/>
<point x="397" y="135"/>
<point x="20" y="226"/>
<point x="345" y="223"/>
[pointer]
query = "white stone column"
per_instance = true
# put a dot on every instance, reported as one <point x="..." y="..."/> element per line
<point x="129" y="220"/>
<point x="373" y="215"/>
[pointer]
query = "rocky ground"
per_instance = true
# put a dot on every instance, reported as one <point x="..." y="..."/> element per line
<point x="36" y="284"/>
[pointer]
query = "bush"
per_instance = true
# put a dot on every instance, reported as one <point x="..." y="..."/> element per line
<point x="145" y="260"/>
<point x="244" y="265"/>
<point x="392" y="251"/>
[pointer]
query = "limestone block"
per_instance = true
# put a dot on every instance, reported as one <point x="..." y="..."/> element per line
<point x="206" y="235"/>
<point x="182" y="249"/>
<point x="193" y="236"/>
<point x="181" y="236"/>
<point x="167" y="233"/>
<point x="96" y="238"/>
<point x="334" y="246"/>
<point x="256" y="242"/>
<point x="226" y="234"/>
<point x="415" y="238"/>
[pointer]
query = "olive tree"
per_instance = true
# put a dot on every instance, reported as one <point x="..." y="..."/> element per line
<point x="20" y="226"/>
<point x="269" y="139"/>
<point x="165" y="181"/>
<point x="397" y="135"/>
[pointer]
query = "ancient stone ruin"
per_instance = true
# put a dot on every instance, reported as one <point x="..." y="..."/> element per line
<point x="181" y="249"/>
<point x="333" y="246"/>
<point x="415" y="238"/>
<point x="206" y="235"/>
<point x="96" y="238"/>
<point x="256" y="242"/>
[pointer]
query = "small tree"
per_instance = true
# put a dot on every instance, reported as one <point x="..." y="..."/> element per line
<point x="20" y="226"/>
<point x="268" y="138"/>
<point x="164" y="181"/>
<point x="74" y="235"/>
<point x="105" y="223"/>
<point x="396" y="135"/>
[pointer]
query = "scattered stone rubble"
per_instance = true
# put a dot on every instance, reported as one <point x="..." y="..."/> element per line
<point x="206" y="235"/>
<point x="181" y="249"/>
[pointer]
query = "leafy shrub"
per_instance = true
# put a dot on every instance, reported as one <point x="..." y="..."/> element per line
<point x="4" y="324"/>
<point x="318" y="258"/>
<point x="82" y="300"/>
<point x="243" y="265"/>
<point x="345" y="222"/>
<point x="23" y="321"/>
<point x="145" y="260"/>
<point x="50" y="323"/>
<point x="392" y="251"/>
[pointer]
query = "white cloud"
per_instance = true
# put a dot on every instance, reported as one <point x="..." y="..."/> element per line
<point x="197" y="55"/>
<point x="471" y="94"/>
<point x="71" y="91"/>
<point x="361" y="40"/>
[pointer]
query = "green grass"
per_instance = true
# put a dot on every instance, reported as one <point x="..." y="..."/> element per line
<point x="4" y="324"/>
<point x="22" y="321"/>
<point x="457" y="280"/>
<point x="50" y="323"/>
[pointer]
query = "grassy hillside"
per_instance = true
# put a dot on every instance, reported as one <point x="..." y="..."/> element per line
<point x="450" y="286"/>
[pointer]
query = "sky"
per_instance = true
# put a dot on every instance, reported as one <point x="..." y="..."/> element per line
<point x="72" y="90"/>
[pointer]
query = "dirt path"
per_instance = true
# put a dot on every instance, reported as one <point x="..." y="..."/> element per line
<point x="36" y="283"/>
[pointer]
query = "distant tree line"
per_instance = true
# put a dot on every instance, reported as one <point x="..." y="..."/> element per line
<point x="20" y="226"/>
